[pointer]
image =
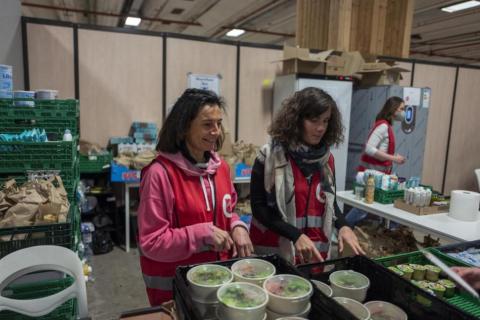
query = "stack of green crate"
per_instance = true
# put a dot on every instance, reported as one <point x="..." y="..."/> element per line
<point x="95" y="163"/>
<point x="17" y="158"/>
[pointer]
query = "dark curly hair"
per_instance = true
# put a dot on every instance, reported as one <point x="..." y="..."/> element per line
<point x="389" y="108"/>
<point x="309" y="103"/>
<point x="184" y="111"/>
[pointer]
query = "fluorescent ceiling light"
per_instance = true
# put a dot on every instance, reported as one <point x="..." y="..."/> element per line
<point x="235" y="33"/>
<point x="133" y="21"/>
<point x="461" y="6"/>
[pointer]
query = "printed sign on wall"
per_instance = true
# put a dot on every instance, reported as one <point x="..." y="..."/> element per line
<point x="205" y="81"/>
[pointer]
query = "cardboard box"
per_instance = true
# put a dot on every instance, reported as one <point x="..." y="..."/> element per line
<point x="344" y="63"/>
<point x="380" y="73"/>
<point x="421" y="211"/>
<point x="329" y="62"/>
<point x="301" y="60"/>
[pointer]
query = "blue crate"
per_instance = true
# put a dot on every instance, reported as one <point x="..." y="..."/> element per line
<point x="123" y="174"/>
<point x="242" y="171"/>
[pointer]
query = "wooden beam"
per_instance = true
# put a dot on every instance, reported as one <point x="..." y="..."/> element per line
<point x="339" y="24"/>
<point x="398" y="28"/>
<point x="312" y="23"/>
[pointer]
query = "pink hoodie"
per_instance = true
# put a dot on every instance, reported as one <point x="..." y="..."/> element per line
<point x="158" y="239"/>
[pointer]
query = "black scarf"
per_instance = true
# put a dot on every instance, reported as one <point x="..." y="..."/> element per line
<point x="309" y="159"/>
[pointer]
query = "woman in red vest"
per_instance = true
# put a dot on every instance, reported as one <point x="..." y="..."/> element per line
<point x="187" y="197"/>
<point x="293" y="182"/>
<point x="379" y="151"/>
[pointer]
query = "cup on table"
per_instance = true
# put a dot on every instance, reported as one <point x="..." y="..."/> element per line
<point x="359" y="191"/>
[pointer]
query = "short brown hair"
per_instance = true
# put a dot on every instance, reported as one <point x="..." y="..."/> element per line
<point x="184" y="111"/>
<point x="389" y="108"/>
<point x="309" y="103"/>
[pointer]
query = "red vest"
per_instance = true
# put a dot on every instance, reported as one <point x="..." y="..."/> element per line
<point x="309" y="208"/>
<point x="189" y="208"/>
<point x="369" y="162"/>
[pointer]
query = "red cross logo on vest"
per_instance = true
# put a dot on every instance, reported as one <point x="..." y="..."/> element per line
<point x="318" y="193"/>
<point x="227" y="205"/>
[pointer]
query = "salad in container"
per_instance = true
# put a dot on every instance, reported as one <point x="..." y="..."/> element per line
<point x="254" y="271"/>
<point x="241" y="301"/>
<point x="205" y="280"/>
<point x="349" y="284"/>
<point x="288" y="294"/>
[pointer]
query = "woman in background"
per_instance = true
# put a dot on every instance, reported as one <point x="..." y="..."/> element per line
<point x="379" y="153"/>
<point x="187" y="197"/>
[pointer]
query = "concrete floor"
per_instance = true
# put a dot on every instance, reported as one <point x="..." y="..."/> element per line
<point x="118" y="285"/>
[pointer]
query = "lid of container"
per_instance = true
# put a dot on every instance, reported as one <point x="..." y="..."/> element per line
<point x="288" y="286"/>
<point x="209" y="275"/>
<point x="253" y="268"/>
<point x="349" y="279"/>
<point x="242" y="295"/>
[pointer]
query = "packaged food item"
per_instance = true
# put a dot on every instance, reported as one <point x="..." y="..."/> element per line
<point x="396" y="270"/>
<point x="418" y="271"/>
<point x="370" y="190"/>
<point x="449" y="287"/>
<point x="407" y="270"/>
<point x="437" y="289"/>
<point x="433" y="272"/>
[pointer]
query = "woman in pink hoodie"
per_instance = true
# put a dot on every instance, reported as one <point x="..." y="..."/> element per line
<point x="187" y="197"/>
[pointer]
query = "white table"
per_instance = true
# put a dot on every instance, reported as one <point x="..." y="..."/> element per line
<point x="440" y="225"/>
<point x="130" y="185"/>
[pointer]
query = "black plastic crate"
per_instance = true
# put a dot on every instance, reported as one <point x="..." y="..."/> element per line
<point x="326" y="310"/>
<point x="386" y="286"/>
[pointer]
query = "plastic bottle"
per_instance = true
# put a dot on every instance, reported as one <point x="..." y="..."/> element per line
<point x="370" y="190"/>
<point x="67" y="136"/>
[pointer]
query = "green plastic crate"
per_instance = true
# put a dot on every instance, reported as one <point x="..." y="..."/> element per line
<point x="70" y="179"/>
<point x="67" y="311"/>
<point x="94" y="164"/>
<point x="61" y="234"/>
<point x="461" y="300"/>
<point x="51" y="155"/>
<point x="52" y="115"/>
<point x="388" y="197"/>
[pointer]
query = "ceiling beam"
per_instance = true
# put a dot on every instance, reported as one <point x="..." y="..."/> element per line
<point x="101" y="13"/>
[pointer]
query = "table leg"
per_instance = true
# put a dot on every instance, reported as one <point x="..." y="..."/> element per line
<point x="127" y="217"/>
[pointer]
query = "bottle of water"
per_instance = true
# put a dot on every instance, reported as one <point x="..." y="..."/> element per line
<point x="67" y="136"/>
<point x="87" y="229"/>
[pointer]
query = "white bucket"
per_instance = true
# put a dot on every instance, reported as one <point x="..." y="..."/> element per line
<point x="6" y="82"/>
<point x="20" y="94"/>
<point x="46" y="94"/>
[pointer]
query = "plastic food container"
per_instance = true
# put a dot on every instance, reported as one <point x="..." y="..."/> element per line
<point x="380" y="310"/>
<point x="356" y="308"/>
<point x="288" y="294"/>
<point x="242" y="300"/>
<point x="302" y="315"/>
<point x="349" y="284"/>
<point x="205" y="280"/>
<point x="46" y="94"/>
<point x="254" y="271"/>
<point x="325" y="288"/>
<point x="20" y="94"/>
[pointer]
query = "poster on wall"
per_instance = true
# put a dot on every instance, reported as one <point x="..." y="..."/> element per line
<point x="205" y="81"/>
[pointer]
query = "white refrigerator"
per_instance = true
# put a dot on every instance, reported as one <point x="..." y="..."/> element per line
<point x="341" y="92"/>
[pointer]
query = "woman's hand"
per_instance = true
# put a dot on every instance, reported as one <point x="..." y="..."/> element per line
<point x="347" y="236"/>
<point x="399" y="159"/>
<point x="242" y="243"/>
<point x="470" y="275"/>
<point x="221" y="239"/>
<point x="306" y="250"/>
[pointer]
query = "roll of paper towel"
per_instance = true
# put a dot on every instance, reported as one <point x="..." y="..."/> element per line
<point x="464" y="205"/>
